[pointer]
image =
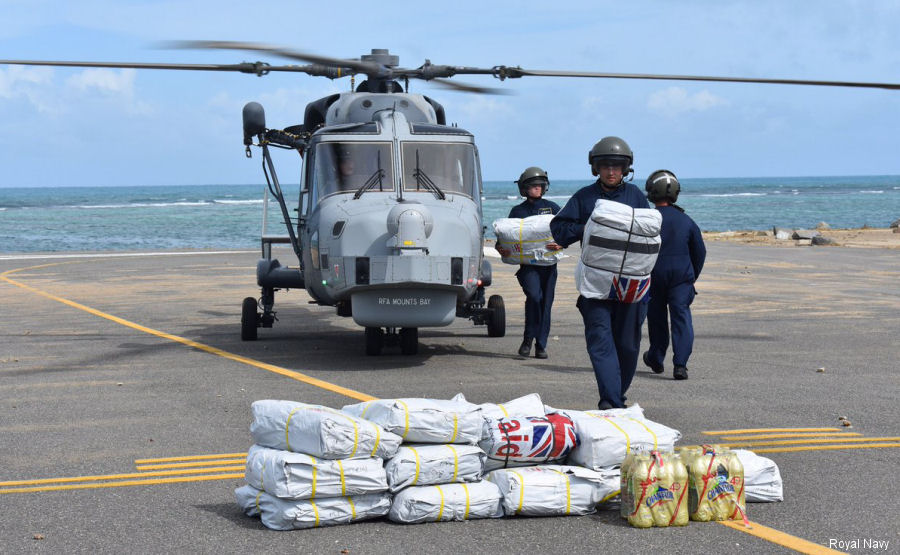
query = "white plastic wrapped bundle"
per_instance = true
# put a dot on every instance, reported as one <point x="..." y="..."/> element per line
<point x="526" y="405"/>
<point x="318" y="431"/>
<point x="526" y="240"/>
<point x="446" y="502"/>
<point x="424" y="420"/>
<point x="634" y="411"/>
<point x="554" y="490"/>
<point x="606" y="439"/>
<point x="288" y="514"/>
<point x="299" y="476"/>
<point x="618" y="252"/>
<point x="762" y="479"/>
<point x="527" y="440"/>
<point x="421" y="465"/>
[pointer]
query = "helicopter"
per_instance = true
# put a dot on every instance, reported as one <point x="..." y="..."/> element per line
<point x="388" y="227"/>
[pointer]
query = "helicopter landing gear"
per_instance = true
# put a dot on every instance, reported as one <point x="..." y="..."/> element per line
<point x="409" y="341"/>
<point x="496" y="321"/>
<point x="249" y="319"/>
<point x="378" y="338"/>
<point x="374" y="341"/>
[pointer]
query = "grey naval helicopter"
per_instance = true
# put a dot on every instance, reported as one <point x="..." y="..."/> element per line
<point x="389" y="227"/>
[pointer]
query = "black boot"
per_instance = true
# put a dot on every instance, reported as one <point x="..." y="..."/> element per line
<point x="525" y="348"/>
<point x="540" y="352"/>
<point x="657" y="368"/>
<point x="680" y="373"/>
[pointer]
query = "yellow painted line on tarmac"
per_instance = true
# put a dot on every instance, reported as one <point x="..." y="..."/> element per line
<point x="126" y="483"/>
<point x="768" y="430"/>
<point x="778" y="537"/>
<point x="114" y="477"/>
<point x="190" y="465"/>
<point x="852" y="440"/>
<point x="184" y="341"/>
<point x="804" y="434"/>
<point x="191" y="458"/>
<point x="827" y="448"/>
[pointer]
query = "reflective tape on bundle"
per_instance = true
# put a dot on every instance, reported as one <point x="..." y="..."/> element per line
<point x="618" y="251"/>
<point x="446" y="502"/>
<point x="318" y="431"/>
<point x="524" y="240"/>
<point x="605" y="439"/>
<point x="553" y="490"/>
<point x="420" y="465"/>
<point x="423" y="420"/>
<point x="299" y="476"/>
<point x="288" y="514"/>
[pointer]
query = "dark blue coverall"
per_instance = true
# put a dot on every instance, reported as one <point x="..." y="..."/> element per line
<point x="538" y="282"/>
<point x="612" y="329"/>
<point x="681" y="257"/>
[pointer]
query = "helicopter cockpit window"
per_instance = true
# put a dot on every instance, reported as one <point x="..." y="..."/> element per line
<point x="449" y="166"/>
<point x="347" y="167"/>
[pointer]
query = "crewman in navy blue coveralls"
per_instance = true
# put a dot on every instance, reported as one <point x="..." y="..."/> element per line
<point x="612" y="329"/>
<point x="681" y="257"/>
<point x="538" y="282"/>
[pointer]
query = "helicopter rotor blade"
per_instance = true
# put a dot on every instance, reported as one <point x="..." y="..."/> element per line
<point x="259" y="68"/>
<point x="504" y="72"/>
<point x="466" y="87"/>
<point x="367" y="68"/>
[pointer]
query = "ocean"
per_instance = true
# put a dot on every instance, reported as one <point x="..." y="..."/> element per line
<point x="230" y="216"/>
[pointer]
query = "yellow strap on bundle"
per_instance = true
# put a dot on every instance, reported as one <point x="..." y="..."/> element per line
<point x="313" y="481"/>
<point x="343" y="483"/>
<point x="466" y="514"/>
<point x="316" y="511"/>
<point x="416" y="455"/>
<point x="441" y="510"/>
<point x="568" y="490"/>
<point x="649" y="431"/>
<point x="504" y="410"/>
<point x="455" y="463"/>
<point x="521" y="490"/>
<point x="377" y="438"/>
<point x="352" y="509"/>
<point x="627" y="439"/>
<point x="455" y="427"/>
<point x="406" y="418"/>
<point x="287" y="426"/>
<point x="257" y="501"/>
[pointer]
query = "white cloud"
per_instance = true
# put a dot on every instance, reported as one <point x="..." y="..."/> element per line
<point x="106" y="81"/>
<point x="674" y="101"/>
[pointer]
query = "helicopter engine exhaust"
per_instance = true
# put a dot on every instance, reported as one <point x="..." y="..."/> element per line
<point x="410" y="224"/>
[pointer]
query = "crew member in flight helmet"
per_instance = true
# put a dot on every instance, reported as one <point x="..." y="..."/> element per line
<point x="612" y="329"/>
<point x="538" y="282"/>
<point x="681" y="257"/>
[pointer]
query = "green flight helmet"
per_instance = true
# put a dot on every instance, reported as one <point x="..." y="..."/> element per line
<point x="662" y="185"/>
<point x="614" y="150"/>
<point x="532" y="176"/>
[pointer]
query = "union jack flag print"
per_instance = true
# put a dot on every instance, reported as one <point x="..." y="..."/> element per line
<point x="629" y="290"/>
<point x="524" y="440"/>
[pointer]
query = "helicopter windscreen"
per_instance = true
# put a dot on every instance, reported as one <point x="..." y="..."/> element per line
<point x="346" y="167"/>
<point x="451" y="167"/>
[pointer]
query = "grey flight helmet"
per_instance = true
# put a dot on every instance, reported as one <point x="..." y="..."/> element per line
<point x="662" y="185"/>
<point x="611" y="150"/>
<point x="533" y="176"/>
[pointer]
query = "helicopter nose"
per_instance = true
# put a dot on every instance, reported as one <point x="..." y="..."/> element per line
<point x="410" y="225"/>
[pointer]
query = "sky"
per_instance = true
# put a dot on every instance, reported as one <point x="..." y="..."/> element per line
<point x="110" y="127"/>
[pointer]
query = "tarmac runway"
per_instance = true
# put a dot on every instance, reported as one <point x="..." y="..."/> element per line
<point x="126" y="393"/>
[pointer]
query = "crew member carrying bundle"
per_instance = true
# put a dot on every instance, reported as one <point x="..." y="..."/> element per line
<point x="612" y="328"/>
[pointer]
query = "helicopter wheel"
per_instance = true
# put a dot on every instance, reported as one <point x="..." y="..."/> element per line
<point x="374" y="341"/>
<point x="496" y="324"/>
<point x="249" y="319"/>
<point x="409" y="341"/>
